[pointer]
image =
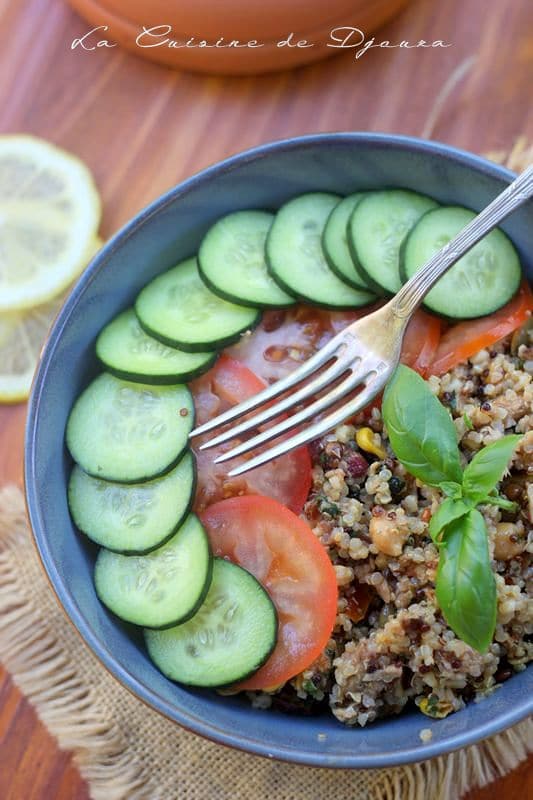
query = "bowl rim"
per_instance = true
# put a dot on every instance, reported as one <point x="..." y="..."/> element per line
<point x="189" y="721"/>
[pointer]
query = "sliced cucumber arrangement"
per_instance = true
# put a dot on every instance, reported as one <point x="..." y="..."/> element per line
<point x="129" y="432"/>
<point x="228" y="639"/>
<point x="481" y="282"/>
<point x="132" y="518"/>
<point x="164" y="587"/>
<point x="128" y="352"/>
<point x="232" y="262"/>
<point x="207" y="621"/>
<point x="335" y="242"/>
<point x="178" y="309"/>
<point x="376" y="230"/>
<point x="296" y="259"/>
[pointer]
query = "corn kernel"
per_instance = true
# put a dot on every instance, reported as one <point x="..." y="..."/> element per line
<point x="365" y="439"/>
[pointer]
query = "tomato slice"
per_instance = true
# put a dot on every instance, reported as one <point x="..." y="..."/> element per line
<point x="282" y="340"/>
<point x="465" y="339"/>
<point x="288" y="560"/>
<point x="287" y="478"/>
<point x="287" y="337"/>
<point x="420" y="342"/>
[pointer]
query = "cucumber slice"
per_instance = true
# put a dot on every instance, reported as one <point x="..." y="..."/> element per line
<point x="132" y="518"/>
<point x="482" y="281"/>
<point x="178" y="309"/>
<point x="128" y="352"/>
<point x="228" y="639"/>
<point x="296" y="259"/>
<point x="160" y="589"/>
<point x="231" y="261"/>
<point x="335" y="242"/>
<point x="129" y="432"/>
<point x="376" y="229"/>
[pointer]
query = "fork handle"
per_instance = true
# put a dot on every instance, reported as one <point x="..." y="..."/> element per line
<point x="413" y="292"/>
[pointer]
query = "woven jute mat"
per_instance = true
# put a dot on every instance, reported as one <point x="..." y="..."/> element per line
<point x="126" y="751"/>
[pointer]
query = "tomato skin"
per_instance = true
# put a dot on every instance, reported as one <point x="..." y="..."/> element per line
<point x="282" y="341"/>
<point x="233" y="382"/>
<point x="286" y="338"/>
<point x="287" y="478"/>
<point x="419" y="346"/>
<point x="465" y="339"/>
<point x="421" y="341"/>
<point x="283" y="553"/>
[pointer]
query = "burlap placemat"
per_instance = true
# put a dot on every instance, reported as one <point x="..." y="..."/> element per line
<point x="126" y="751"/>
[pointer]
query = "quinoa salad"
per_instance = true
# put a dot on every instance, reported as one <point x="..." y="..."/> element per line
<point x="386" y="563"/>
<point x="391" y="645"/>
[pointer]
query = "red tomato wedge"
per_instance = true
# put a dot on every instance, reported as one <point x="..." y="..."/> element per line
<point x="282" y="340"/>
<point x="285" y="556"/>
<point x="420" y="342"/>
<point x="286" y="337"/>
<point x="465" y="339"/>
<point x="287" y="479"/>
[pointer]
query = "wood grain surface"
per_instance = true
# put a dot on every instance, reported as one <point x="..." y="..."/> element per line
<point x="141" y="128"/>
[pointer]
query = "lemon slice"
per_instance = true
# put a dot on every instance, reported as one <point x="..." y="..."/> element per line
<point x="22" y="335"/>
<point x="49" y="215"/>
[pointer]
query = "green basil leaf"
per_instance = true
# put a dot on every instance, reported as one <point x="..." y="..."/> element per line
<point x="451" y="489"/>
<point x="465" y="585"/>
<point x="420" y="429"/>
<point x="448" y="511"/>
<point x="487" y="467"/>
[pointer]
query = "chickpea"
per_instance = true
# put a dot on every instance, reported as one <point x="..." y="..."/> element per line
<point x="507" y="542"/>
<point x="387" y="535"/>
<point x="479" y="417"/>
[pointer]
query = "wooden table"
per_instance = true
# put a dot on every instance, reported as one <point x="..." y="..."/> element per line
<point x="141" y="128"/>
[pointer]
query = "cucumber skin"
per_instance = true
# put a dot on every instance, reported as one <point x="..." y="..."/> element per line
<point x="144" y="478"/>
<point x="159" y="380"/>
<point x="361" y="271"/>
<point x="245" y="675"/>
<point x="403" y="247"/>
<point x="331" y="264"/>
<point x="401" y="255"/>
<point x="362" y="286"/>
<point x="163" y="541"/>
<point x="192" y="347"/>
<point x="404" y="278"/>
<point x="231" y="298"/>
<point x="376" y="287"/>
<point x="189" y="615"/>
<point x="302" y="298"/>
<point x="263" y="661"/>
<point x="453" y="319"/>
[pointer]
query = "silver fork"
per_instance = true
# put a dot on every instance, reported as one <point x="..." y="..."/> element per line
<point x="366" y="353"/>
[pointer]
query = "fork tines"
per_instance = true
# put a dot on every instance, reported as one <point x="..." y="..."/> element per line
<point x="338" y="356"/>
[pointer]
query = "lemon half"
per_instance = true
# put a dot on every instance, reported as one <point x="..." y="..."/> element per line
<point x="22" y="335"/>
<point x="49" y="215"/>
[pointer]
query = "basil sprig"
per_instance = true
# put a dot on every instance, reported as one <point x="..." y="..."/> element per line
<point x="420" y="430"/>
<point x="486" y="469"/>
<point x="465" y="586"/>
<point x="423" y="438"/>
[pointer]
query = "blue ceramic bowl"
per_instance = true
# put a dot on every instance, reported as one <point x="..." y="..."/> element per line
<point x="166" y="232"/>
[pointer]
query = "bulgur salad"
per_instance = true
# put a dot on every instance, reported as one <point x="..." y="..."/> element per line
<point x="388" y="562"/>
